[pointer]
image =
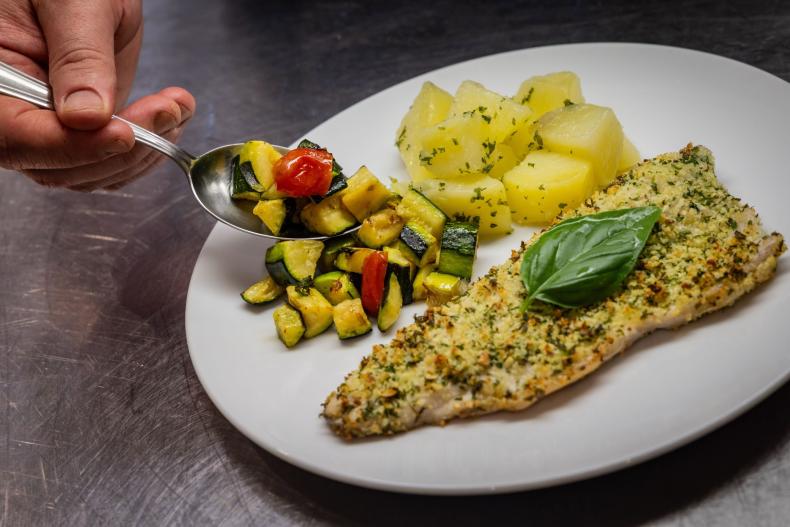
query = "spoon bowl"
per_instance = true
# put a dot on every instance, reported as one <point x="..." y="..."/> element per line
<point x="209" y="175"/>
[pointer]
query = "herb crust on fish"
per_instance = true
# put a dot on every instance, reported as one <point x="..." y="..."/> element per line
<point x="480" y="354"/>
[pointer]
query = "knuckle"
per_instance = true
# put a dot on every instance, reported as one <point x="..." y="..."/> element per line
<point x="77" y="54"/>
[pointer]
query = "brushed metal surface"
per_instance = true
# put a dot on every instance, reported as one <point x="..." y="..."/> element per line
<point x="104" y="421"/>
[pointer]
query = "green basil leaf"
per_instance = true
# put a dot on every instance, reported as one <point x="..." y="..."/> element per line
<point x="584" y="259"/>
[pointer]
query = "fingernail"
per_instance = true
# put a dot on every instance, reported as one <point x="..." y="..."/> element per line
<point x="83" y="100"/>
<point x="117" y="147"/>
<point x="164" y="122"/>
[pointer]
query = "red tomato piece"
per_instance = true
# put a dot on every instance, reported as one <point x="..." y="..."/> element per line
<point x="374" y="270"/>
<point x="303" y="172"/>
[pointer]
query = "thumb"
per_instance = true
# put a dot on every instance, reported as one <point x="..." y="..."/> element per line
<point x="80" y="40"/>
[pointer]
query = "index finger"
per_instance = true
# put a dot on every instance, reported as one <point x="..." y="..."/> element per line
<point x="33" y="138"/>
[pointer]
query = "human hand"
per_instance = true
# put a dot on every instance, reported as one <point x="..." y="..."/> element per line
<point x="87" y="50"/>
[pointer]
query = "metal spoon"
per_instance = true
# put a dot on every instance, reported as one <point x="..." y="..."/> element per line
<point x="209" y="174"/>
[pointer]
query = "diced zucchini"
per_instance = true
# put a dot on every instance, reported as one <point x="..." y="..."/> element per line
<point x="240" y="187"/>
<point x="293" y="261"/>
<point x="338" y="183"/>
<point x="380" y="228"/>
<point x="418" y="244"/>
<point x="262" y="292"/>
<point x="272" y="213"/>
<point x="443" y="287"/>
<point x="316" y="310"/>
<point x="352" y="259"/>
<point x="331" y="247"/>
<point x="418" y="286"/>
<point x="289" y="324"/>
<point x="329" y="217"/>
<point x="336" y="286"/>
<point x="273" y="193"/>
<point x="403" y="269"/>
<point x="259" y="157"/>
<point x="393" y="202"/>
<point x="415" y="207"/>
<point x="459" y="244"/>
<point x="365" y="194"/>
<point x="350" y="319"/>
<point x="295" y="210"/>
<point x="391" y="303"/>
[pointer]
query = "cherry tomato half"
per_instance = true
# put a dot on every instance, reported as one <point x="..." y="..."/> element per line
<point x="304" y="172"/>
<point x="374" y="270"/>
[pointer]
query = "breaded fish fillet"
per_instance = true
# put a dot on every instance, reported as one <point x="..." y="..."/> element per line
<point x="479" y="354"/>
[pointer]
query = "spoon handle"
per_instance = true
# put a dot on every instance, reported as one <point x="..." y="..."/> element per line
<point x="17" y="84"/>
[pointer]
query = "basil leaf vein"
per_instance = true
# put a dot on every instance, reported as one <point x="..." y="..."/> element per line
<point x="584" y="259"/>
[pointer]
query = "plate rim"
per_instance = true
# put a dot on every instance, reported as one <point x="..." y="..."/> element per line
<point x="647" y="453"/>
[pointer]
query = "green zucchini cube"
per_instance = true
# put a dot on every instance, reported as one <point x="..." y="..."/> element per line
<point x="380" y="229"/>
<point x="415" y="207"/>
<point x="293" y="261"/>
<point x="316" y="310"/>
<point x="391" y="303"/>
<point x="289" y="324"/>
<point x="262" y="292"/>
<point x="418" y="244"/>
<point x="459" y="245"/>
<point x="365" y="194"/>
<point x="442" y="287"/>
<point x="336" y="286"/>
<point x="350" y="319"/>
<point x="351" y="259"/>
<point x="241" y="186"/>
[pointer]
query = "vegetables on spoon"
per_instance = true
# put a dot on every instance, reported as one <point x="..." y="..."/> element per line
<point x="304" y="172"/>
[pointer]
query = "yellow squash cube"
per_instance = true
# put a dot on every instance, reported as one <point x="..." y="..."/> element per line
<point x="587" y="132"/>
<point x="481" y="197"/>
<point x="546" y="183"/>
<point x="365" y="194"/>
<point x="262" y="156"/>
<point x="431" y="106"/>
<point x="545" y="93"/>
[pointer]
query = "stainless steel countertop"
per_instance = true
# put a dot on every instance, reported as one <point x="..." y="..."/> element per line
<point x="105" y="421"/>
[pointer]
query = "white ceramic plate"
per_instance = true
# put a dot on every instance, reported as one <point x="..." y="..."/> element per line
<point x="665" y="391"/>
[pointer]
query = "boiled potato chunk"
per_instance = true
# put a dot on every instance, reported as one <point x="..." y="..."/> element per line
<point x="544" y="93"/>
<point x="457" y="147"/>
<point x="546" y="183"/>
<point x="431" y="106"/>
<point x="482" y="197"/>
<point x="470" y="142"/>
<point x="522" y="141"/>
<point x="502" y="116"/>
<point x="630" y="156"/>
<point x="587" y="132"/>
<point x="504" y="158"/>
